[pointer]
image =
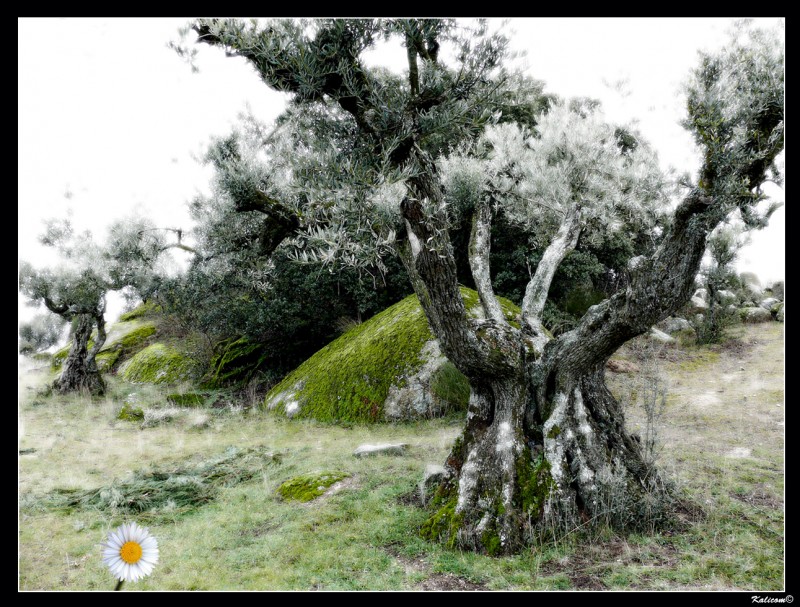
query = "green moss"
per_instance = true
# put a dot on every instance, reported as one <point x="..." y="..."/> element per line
<point x="491" y="542"/>
<point x="125" y="339"/>
<point x="554" y="432"/>
<point x="59" y="356"/>
<point x="307" y="487"/>
<point x="234" y="362"/>
<point x="349" y="379"/>
<point x="535" y="483"/>
<point x="130" y="413"/>
<point x="133" y="339"/>
<point x="192" y="399"/>
<point x="158" y="364"/>
<point x="451" y="385"/>
<point x="147" y="308"/>
<point x="444" y="523"/>
<point x="107" y="359"/>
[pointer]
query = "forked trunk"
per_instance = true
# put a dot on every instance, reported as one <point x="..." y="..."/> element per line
<point x="80" y="368"/>
<point x="541" y="457"/>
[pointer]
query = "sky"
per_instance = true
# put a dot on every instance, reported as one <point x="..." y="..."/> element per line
<point x="111" y="121"/>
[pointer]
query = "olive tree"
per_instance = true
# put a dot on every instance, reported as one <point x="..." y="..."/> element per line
<point x="75" y="290"/>
<point x="369" y="163"/>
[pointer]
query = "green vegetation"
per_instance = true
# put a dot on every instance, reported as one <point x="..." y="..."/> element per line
<point x="153" y="495"/>
<point x="157" y="364"/>
<point x="307" y="487"/>
<point x="349" y="379"/>
<point x="235" y="362"/>
<point x="192" y="399"/>
<point x="124" y="339"/>
<point x="82" y="473"/>
<point x="450" y="385"/>
<point x="130" y="413"/>
<point x="148" y="308"/>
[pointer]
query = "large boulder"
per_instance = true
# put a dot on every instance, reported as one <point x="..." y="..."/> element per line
<point x="697" y="305"/>
<point x="778" y="290"/>
<point x="768" y="303"/>
<point x="754" y="314"/>
<point x="387" y="368"/>
<point x="752" y="286"/>
<point x="159" y="364"/>
<point x="780" y="314"/>
<point x="674" y="325"/>
<point x="726" y="298"/>
<point x="701" y="293"/>
<point x="660" y="336"/>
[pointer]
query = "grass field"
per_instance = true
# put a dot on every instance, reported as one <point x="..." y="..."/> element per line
<point x="205" y="481"/>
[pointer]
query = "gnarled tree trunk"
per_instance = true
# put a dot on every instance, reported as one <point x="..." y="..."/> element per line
<point x="80" y="368"/>
<point x="544" y="451"/>
<point x="545" y="448"/>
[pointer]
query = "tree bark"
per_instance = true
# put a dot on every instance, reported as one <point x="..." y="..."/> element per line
<point x="545" y="449"/>
<point x="80" y="371"/>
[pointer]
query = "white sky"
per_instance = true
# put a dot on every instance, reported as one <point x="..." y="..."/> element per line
<point x="112" y="116"/>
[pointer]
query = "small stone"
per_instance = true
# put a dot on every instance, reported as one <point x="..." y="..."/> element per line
<point x="381" y="449"/>
<point x="661" y="336"/>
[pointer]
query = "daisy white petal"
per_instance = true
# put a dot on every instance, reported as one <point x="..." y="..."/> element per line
<point x="130" y="552"/>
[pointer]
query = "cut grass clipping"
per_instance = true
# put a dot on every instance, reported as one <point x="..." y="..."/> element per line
<point x="307" y="487"/>
<point x="157" y="493"/>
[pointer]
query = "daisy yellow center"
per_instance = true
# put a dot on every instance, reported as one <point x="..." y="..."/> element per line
<point x="130" y="552"/>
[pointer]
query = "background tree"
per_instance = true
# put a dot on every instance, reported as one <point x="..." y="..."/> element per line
<point x="41" y="332"/>
<point x="545" y="442"/>
<point x="719" y="275"/>
<point x="242" y="282"/>
<point x="76" y="289"/>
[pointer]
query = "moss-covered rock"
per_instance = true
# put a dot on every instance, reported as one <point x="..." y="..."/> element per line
<point x="450" y="385"/>
<point x="106" y="359"/>
<point x="123" y="340"/>
<point x="754" y="314"/>
<point x="307" y="487"/>
<point x="388" y="368"/>
<point x="158" y="364"/>
<point x="147" y="308"/>
<point x="59" y="356"/>
<point x="235" y="361"/>
<point x="130" y="413"/>
<point x="132" y="336"/>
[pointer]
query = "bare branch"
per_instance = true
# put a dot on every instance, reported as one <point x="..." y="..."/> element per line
<point x="479" y="249"/>
<point x="536" y="292"/>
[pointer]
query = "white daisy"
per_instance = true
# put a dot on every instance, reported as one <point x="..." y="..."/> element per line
<point x="130" y="552"/>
